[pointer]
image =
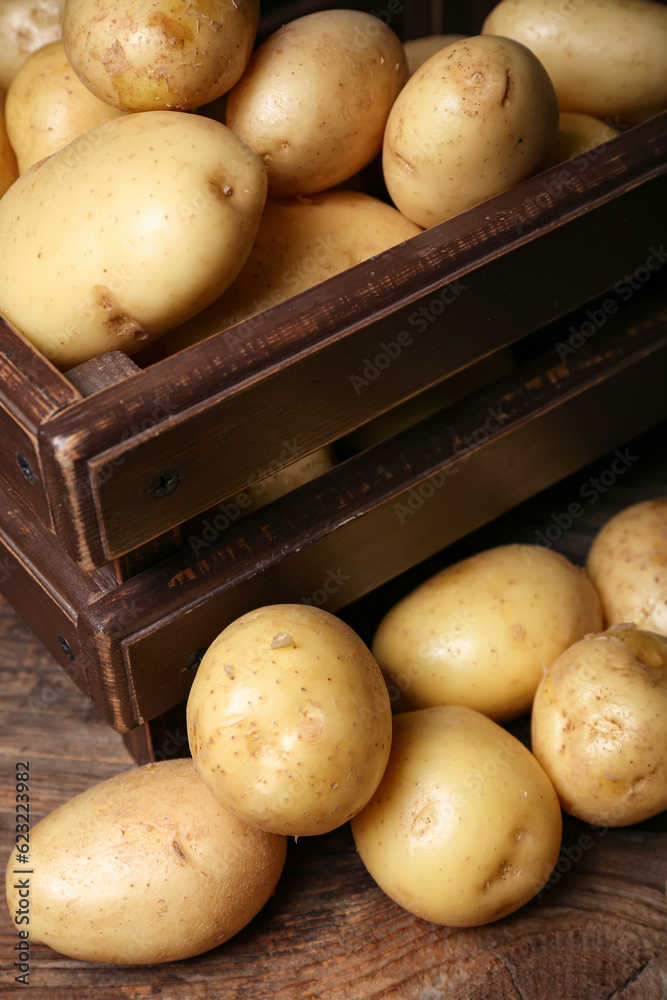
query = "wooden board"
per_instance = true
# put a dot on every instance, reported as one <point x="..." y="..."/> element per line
<point x="599" y="932"/>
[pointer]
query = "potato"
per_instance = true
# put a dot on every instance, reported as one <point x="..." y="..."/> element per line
<point x="577" y="135"/>
<point x="26" y="25"/>
<point x="479" y="632"/>
<point x="465" y="826"/>
<point x="605" y="57"/>
<point x="418" y="50"/>
<point x="48" y="106"/>
<point x="145" y="867"/>
<point x="300" y="242"/>
<point x="599" y="726"/>
<point x="126" y="232"/>
<point x="159" y="54"/>
<point x="627" y="563"/>
<point x="315" y="97"/>
<point x="475" y="119"/>
<point x="9" y="170"/>
<point x="430" y="401"/>
<point x="289" y="478"/>
<point x="289" y="720"/>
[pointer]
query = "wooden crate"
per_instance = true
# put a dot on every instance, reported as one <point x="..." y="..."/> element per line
<point x="110" y="472"/>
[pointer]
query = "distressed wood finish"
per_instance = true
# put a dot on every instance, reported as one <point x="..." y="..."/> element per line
<point x="598" y="932"/>
<point x="138" y="634"/>
<point x="225" y="406"/>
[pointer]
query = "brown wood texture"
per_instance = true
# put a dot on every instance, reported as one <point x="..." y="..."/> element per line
<point x="30" y="391"/>
<point x="357" y="526"/>
<point x="225" y="407"/>
<point x="326" y="543"/>
<point x="597" y="932"/>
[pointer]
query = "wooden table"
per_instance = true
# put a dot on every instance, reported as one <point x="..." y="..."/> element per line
<point x="598" y="932"/>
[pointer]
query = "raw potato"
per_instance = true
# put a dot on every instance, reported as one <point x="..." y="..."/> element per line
<point x="287" y="479"/>
<point x="605" y="57"/>
<point x="465" y="826"/>
<point x="315" y="97"/>
<point x="26" y="25"/>
<point x="418" y="50"/>
<point x="599" y="726"/>
<point x="475" y="119"/>
<point x="301" y="241"/>
<point x="159" y="54"/>
<point x="145" y="867"/>
<point x="431" y="401"/>
<point x="289" y="720"/>
<point x="9" y="170"/>
<point x="480" y="632"/>
<point x="126" y="232"/>
<point x="48" y="106"/>
<point x="627" y="563"/>
<point x="577" y="135"/>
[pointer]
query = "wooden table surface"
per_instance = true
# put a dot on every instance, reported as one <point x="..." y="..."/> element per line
<point x="599" y="932"/>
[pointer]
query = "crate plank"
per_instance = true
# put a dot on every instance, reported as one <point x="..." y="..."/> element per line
<point x="245" y="391"/>
<point x="328" y="931"/>
<point x="321" y="543"/>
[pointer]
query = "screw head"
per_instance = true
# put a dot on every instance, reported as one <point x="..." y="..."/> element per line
<point x="26" y="468"/>
<point x="165" y="483"/>
<point x="65" y="646"/>
<point x="194" y="659"/>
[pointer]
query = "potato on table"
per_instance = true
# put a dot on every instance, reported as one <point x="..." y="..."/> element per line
<point x="145" y="867"/>
<point x="289" y="720"/>
<point x="599" y="726"/>
<point x="627" y="563"/>
<point x="465" y="826"/>
<point x="479" y="633"/>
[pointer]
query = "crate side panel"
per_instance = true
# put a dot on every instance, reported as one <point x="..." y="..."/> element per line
<point x="217" y="451"/>
<point x="320" y="545"/>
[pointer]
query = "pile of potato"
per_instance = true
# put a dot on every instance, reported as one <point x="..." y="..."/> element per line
<point x="292" y="734"/>
<point x="125" y="216"/>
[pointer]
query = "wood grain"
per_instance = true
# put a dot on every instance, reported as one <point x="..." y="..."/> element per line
<point x="599" y="932"/>
<point x="539" y="250"/>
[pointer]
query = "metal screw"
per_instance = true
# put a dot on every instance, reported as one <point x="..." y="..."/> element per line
<point x="26" y="468"/>
<point x="165" y="483"/>
<point x="65" y="646"/>
<point x="194" y="659"/>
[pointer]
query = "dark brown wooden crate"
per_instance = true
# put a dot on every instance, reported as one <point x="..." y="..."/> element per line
<point x="503" y="269"/>
<point x="369" y="519"/>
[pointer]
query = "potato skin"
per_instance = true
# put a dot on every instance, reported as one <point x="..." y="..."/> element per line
<point x="627" y="563"/>
<point x="48" y="106"/>
<point x="300" y="242"/>
<point x="599" y="726"/>
<point x="26" y="25"/>
<point x="159" y="54"/>
<point x="475" y="119"/>
<point x="577" y="135"/>
<point x="315" y="97"/>
<point x="125" y="232"/>
<point x="477" y="633"/>
<point x="9" y="170"/>
<point x="605" y="57"/>
<point x="289" y="720"/>
<point x="465" y="826"/>
<point x="145" y="867"/>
